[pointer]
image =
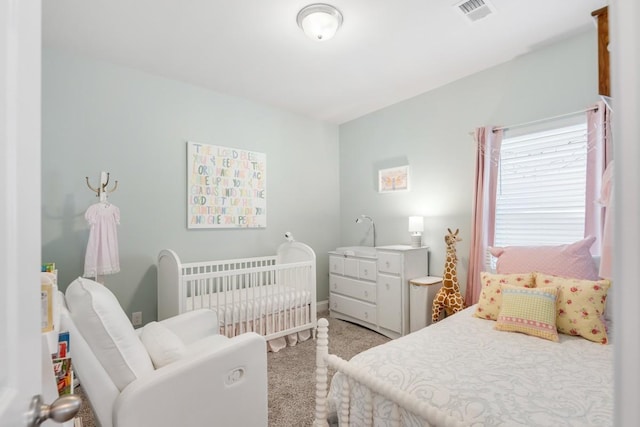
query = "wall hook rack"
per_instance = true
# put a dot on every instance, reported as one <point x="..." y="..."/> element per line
<point x="102" y="191"/>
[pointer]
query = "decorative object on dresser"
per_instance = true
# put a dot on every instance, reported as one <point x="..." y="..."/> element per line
<point x="370" y="286"/>
<point x="449" y="298"/>
<point x="271" y="295"/>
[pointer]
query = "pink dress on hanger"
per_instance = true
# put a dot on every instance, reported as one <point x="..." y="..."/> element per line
<point x="102" y="249"/>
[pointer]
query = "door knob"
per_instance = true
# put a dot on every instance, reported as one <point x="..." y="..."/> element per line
<point x="62" y="409"/>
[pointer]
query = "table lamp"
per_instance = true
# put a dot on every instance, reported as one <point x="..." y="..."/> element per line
<point x="416" y="227"/>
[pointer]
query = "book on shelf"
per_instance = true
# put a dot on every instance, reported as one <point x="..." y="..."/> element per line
<point x="48" y="267"/>
<point x="64" y="375"/>
<point x="48" y="295"/>
<point x="46" y="307"/>
<point x="62" y="367"/>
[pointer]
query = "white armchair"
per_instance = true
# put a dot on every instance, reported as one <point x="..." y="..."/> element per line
<point x="178" y="372"/>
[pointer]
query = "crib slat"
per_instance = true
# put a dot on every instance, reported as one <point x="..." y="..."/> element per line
<point x="252" y="295"/>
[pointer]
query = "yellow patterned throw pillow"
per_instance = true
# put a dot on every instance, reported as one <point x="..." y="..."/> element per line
<point x="580" y="307"/>
<point x="531" y="311"/>
<point x="491" y="295"/>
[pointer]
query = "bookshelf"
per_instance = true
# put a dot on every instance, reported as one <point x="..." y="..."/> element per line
<point x="57" y="373"/>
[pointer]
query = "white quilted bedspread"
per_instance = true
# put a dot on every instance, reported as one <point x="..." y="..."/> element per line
<point x="486" y="377"/>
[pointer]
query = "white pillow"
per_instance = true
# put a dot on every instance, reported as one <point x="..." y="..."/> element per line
<point x="162" y="344"/>
<point x="106" y="328"/>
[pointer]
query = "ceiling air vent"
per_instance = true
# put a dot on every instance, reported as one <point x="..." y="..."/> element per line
<point x="475" y="10"/>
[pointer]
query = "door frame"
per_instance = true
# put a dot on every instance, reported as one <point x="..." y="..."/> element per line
<point x="20" y="205"/>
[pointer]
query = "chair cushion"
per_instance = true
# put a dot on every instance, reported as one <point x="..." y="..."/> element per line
<point x="207" y="344"/>
<point x="106" y="328"/>
<point x="163" y="346"/>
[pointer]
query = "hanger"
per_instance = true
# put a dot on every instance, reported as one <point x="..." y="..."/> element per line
<point x="102" y="191"/>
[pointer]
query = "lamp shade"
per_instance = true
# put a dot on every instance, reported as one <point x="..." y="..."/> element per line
<point x="319" y="21"/>
<point x="416" y="224"/>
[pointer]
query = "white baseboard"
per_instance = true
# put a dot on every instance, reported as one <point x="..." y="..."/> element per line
<point x="322" y="306"/>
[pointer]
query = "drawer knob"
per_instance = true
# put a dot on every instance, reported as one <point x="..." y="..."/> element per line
<point x="387" y="285"/>
<point x="335" y="286"/>
<point x="366" y="315"/>
<point x="366" y="293"/>
<point x="365" y="272"/>
<point x="335" y="305"/>
<point x="388" y="264"/>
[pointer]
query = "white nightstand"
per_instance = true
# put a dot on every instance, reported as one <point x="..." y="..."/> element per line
<point x="421" y="293"/>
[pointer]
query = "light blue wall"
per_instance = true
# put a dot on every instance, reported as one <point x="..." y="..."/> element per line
<point x="100" y="117"/>
<point x="430" y="133"/>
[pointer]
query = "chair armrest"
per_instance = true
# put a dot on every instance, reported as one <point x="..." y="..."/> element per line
<point x="224" y="386"/>
<point x="193" y="325"/>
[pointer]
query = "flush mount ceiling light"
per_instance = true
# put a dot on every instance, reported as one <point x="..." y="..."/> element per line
<point x="319" y="21"/>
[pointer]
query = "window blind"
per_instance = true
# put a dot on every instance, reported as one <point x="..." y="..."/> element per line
<point x="541" y="188"/>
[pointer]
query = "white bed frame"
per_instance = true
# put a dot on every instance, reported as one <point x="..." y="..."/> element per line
<point x="274" y="296"/>
<point x="402" y="399"/>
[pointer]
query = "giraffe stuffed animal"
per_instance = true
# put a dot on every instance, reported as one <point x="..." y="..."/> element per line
<point x="448" y="298"/>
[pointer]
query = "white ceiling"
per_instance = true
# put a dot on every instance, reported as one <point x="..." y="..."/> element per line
<point x="385" y="52"/>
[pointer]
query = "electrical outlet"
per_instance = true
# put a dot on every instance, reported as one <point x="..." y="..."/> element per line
<point x="136" y="318"/>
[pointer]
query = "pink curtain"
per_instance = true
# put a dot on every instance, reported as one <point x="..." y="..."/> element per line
<point x="606" y="257"/>
<point x="483" y="217"/>
<point x="598" y="193"/>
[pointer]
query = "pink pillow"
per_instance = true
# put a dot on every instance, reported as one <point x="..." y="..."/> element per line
<point x="572" y="260"/>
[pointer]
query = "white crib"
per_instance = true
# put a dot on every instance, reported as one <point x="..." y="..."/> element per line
<point x="274" y="296"/>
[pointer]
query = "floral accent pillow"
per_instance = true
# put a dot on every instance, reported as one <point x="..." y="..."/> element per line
<point x="531" y="311"/>
<point x="490" y="300"/>
<point x="581" y="306"/>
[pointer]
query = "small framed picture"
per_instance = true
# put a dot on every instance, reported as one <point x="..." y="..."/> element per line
<point x="393" y="179"/>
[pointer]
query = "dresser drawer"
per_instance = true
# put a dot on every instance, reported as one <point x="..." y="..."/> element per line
<point x="390" y="302"/>
<point x="367" y="270"/>
<point x="336" y="264"/>
<point x="353" y="288"/>
<point x="389" y="262"/>
<point x="352" y="307"/>
<point x="351" y="267"/>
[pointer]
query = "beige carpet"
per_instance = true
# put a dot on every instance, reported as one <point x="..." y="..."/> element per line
<point x="292" y="374"/>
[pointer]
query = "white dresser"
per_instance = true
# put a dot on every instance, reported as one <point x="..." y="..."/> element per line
<point x="372" y="289"/>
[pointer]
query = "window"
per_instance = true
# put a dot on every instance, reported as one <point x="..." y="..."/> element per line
<point x="541" y="187"/>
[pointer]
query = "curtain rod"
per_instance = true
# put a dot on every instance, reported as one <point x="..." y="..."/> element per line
<point x="595" y="108"/>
